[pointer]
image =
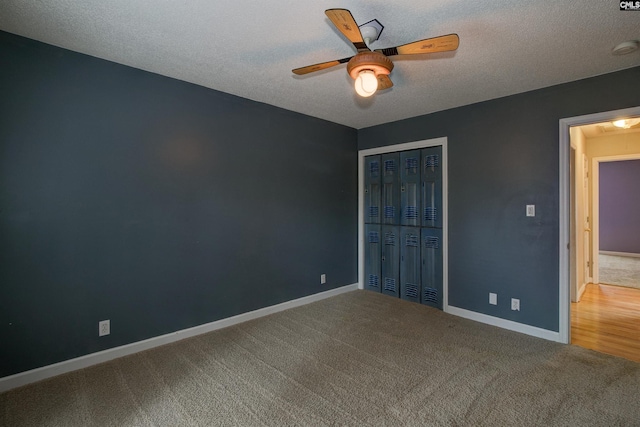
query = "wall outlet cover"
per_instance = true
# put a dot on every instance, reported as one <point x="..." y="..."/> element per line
<point x="515" y="304"/>
<point x="104" y="328"/>
<point x="493" y="298"/>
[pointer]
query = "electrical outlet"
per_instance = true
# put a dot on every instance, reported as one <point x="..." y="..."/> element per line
<point x="493" y="298"/>
<point x="531" y="210"/>
<point x="104" y="328"/>
<point x="515" y="304"/>
<point x="323" y="279"/>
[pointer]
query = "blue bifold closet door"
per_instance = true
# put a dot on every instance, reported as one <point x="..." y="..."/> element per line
<point x="372" y="219"/>
<point x="410" y="195"/>
<point x="403" y="225"/>
<point x="431" y="232"/>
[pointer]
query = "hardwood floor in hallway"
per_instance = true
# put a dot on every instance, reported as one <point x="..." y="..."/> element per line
<point x="607" y="319"/>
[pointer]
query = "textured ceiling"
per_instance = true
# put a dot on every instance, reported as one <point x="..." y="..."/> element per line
<point x="248" y="48"/>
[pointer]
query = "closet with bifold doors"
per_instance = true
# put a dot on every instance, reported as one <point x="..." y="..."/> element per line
<point x="403" y="225"/>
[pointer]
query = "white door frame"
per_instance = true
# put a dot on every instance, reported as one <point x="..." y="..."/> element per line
<point x="564" y="321"/>
<point x="445" y="205"/>
<point x="587" y="223"/>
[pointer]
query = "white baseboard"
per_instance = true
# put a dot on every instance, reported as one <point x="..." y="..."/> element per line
<point x="581" y="290"/>
<point x="505" y="324"/>
<point x="38" y="374"/>
<point x="629" y="254"/>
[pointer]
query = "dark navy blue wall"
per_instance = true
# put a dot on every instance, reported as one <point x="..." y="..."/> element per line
<point x="155" y="203"/>
<point x="503" y="155"/>
<point x="620" y="206"/>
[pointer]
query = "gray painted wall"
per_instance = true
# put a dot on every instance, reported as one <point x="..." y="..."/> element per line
<point x="619" y="206"/>
<point x="154" y="203"/>
<point x="503" y="155"/>
<point x="162" y="205"/>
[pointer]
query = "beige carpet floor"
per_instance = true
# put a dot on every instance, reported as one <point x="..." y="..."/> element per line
<point x="359" y="358"/>
<point x="619" y="270"/>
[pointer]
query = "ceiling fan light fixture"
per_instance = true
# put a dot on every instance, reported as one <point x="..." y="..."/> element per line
<point x="625" y="123"/>
<point x="366" y="83"/>
<point x="365" y="67"/>
<point x="371" y="68"/>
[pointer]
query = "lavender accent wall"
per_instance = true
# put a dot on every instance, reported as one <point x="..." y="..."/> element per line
<point x="620" y="206"/>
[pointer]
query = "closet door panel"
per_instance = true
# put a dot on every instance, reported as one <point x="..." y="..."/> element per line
<point x="391" y="189"/>
<point x="431" y="187"/>
<point x="390" y="261"/>
<point x="410" y="264"/>
<point x="372" y="190"/>
<point x="431" y="255"/>
<point x="410" y="184"/>
<point x="372" y="257"/>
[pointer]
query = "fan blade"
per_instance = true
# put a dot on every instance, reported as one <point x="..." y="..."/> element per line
<point x="321" y="66"/>
<point x="343" y="20"/>
<point x="384" y="82"/>
<point x="436" y="44"/>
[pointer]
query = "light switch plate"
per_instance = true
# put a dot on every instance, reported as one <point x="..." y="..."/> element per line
<point x="531" y="210"/>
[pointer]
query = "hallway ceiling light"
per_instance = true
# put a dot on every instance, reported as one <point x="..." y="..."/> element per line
<point x="626" y="123"/>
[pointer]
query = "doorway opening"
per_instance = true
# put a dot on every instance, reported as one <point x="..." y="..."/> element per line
<point x="586" y="144"/>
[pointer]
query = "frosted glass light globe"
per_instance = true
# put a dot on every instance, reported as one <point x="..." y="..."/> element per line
<point x="366" y="83"/>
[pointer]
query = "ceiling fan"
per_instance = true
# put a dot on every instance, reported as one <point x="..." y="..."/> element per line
<point x="371" y="68"/>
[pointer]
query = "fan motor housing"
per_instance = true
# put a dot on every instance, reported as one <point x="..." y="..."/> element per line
<point x="374" y="61"/>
